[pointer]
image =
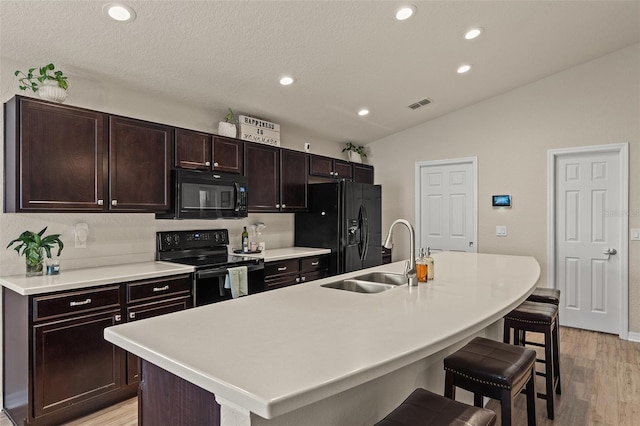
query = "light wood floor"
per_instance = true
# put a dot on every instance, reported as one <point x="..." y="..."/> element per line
<point x="600" y="386"/>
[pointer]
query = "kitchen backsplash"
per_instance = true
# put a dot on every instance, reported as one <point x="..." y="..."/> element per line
<point x="115" y="239"/>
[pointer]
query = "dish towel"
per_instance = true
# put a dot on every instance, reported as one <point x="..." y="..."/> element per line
<point x="236" y="280"/>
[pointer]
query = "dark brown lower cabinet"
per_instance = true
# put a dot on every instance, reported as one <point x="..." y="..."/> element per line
<point x="283" y="273"/>
<point x="57" y="365"/>
<point x="166" y="399"/>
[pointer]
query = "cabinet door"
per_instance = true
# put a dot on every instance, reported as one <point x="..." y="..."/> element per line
<point x="149" y="310"/>
<point x="73" y="362"/>
<point x="362" y="173"/>
<point x="342" y="169"/>
<point x="294" y="172"/>
<point x="139" y="165"/>
<point x="262" y="168"/>
<point x="227" y="155"/>
<point x="60" y="157"/>
<point x="320" y="166"/>
<point x="193" y="150"/>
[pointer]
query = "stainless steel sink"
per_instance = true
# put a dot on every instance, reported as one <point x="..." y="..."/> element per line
<point x="359" y="286"/>
<point x="383" y="278"/>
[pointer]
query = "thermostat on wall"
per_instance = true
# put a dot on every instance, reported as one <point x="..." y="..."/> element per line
<point x="501" y="200"/>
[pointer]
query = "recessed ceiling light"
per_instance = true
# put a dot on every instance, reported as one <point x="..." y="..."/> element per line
<point x="363" y="112"/>
<point x="286" y="81"/>
<point x="464" y="68"/>
<point x="120" y="12"/>
<point x="405" y="12"/>
<point x="473" y="33"/>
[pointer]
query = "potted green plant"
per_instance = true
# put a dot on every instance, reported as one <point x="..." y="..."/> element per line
<point x="228" y="126"/>
<point x="32" y="246"/>
<point x="355" y="152"/>
<point x="50" y="84"/>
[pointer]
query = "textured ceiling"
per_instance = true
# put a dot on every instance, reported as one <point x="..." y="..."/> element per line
<point x="345" y="55"/>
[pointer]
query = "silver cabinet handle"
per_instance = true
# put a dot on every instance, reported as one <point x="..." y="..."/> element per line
<point x="114" y="202"/>
<point x="156" y="289"/>
<point x="284" y="268"/>
<point x="132" y="315"/>
<point x="207" y="163"/>
<point x="297" y="280"/>
<point x="284" y="206"/>
<point x="100" y="202"/>
<point x="331" y="173"/>
<point x="315" y="263"/>
<point x="216" y="176"/>
<point x="83" y="302"/>
<point x="277" y="206"/>
<point x="215" y="164"/>
<point x="117" y="318"/>
<point x="335" y="173"/>
<point x="303" y="278"/>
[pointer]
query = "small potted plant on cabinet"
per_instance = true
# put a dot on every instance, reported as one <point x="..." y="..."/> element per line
<point x="228" y="126"/>
<point x="34" y="246"/>
<point x="355" y="152"/>
<point x="51" y="85"/>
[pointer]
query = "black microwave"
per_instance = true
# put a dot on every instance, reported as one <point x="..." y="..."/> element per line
<point x="207" y="195"/>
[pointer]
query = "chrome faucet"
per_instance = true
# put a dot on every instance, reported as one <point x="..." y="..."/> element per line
<point x="410" y="271"/>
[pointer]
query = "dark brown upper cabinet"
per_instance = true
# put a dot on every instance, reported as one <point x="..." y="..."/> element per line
<point x="139" y="165"/>
<point x="228" y="155"/>
<point x="362" y="173"/>
<point x="53" y="157"/>
<point x="193" y="150"/>
<point x="277" y="179"/>
<point x="329" y="167"/>
<point x="294" y="171"/>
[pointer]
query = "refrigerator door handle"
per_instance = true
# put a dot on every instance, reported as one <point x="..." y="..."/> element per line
<point x="365" y="227"/>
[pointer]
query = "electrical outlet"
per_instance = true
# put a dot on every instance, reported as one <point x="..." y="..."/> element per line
<point x="635" y="234"/>
<point x="501" y="231"/>
<point x="307" y="147"/>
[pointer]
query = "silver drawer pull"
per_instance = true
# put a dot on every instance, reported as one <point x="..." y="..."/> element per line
<point x="303" y="279"/>
<point x="132" y="315"/>
<point x="84" y="302"/>
<point x="284" y="268"/>
<point x="156" y="289"/>
<point x="207" y="163"/>
<point x="315" y="263"/>
<point x="117" y="318"/>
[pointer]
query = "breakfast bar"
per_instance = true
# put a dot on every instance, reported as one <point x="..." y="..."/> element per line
<point x="315" y="355"/>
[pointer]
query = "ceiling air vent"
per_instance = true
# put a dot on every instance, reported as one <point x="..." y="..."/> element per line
<point x="416" y="105"/>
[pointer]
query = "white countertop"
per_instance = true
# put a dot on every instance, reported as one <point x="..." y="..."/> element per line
<point x="271" y="255"/>
<point x="277" y="351"/>
<point x="88" y="277"/>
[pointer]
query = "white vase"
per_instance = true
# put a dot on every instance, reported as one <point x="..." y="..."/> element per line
<point x="50" y="91"/>
<point x="354" y="157"/>
<point x="227" y="129"/>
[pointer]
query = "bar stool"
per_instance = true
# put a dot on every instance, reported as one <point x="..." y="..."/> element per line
<point x="496" y="370"/>
<point x="540" y="318"/>
<point x="424" y="408"/>
<point x="545" y="295"/>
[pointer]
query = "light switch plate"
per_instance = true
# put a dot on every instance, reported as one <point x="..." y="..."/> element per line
<point x="635" y="234"/>
<point x="501" y="231"/>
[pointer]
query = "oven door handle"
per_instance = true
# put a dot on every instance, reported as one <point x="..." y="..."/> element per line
<point x="208" y="273"/>
<point x="237" y="186"/>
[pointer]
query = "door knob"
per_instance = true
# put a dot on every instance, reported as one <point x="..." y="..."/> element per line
<point x="610" y="251"/>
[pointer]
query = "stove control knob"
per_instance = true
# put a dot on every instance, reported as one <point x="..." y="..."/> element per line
<point x="176" y="238"/>
<point x="167" y="239"/>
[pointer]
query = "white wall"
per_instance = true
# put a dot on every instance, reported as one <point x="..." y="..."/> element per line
<point x="592" y="104"/>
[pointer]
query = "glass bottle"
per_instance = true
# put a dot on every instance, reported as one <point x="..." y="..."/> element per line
<point x="245" y="241"/>
<point x="430" y="264"/>
<point x="421" y="267"/>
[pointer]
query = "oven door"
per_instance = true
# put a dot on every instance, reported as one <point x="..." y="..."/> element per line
<point x="209" y="284"/>
<point x="209" y="195"/>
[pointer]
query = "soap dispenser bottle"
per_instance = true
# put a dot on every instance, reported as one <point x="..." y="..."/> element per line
<point x="421" y="267"/>
<point x="430" y="264"/>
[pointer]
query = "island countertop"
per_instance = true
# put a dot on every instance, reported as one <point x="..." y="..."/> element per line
<point x="281" y="350"/>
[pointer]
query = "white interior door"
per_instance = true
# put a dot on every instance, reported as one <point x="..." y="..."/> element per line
<point x="589" y="238"/>
<point x="446" y="205"/>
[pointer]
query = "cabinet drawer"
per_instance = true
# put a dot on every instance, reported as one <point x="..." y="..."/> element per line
<point x="75" y="302"/>
<point x="154" y="309"/>
<point x="158" y="288"/>
<point x="314" y="263"/>
<point x="281" y="267"/>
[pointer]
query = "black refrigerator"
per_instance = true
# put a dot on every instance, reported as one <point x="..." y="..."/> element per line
<point x="345" y="217"/>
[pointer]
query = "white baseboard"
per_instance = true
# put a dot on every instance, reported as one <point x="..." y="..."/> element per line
<point x="633" y="336"/>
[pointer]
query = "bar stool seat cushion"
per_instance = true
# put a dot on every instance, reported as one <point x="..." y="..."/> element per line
<point x="534" y="312"/>
<point x="424" y="408"/>
<point x="545" y="295"/>
<point x="492" y="363"/>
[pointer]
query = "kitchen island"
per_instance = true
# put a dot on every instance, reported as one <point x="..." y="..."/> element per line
<point x="311" y="355"/>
